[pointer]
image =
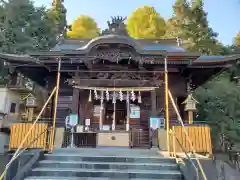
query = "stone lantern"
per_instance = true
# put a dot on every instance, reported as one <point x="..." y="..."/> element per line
<point x="190" y="107"/>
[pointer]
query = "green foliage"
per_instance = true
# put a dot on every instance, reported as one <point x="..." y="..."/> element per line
<point x="145" y="22"/>
<point x="219" y="105"/>
<point x="202" y="37"/>
<point x="84" y="27"/>
<point x="58" y="15"/>
<point x="25" y="27"/>
<point x="190" y="23"/>
<point x="176" y="24"/>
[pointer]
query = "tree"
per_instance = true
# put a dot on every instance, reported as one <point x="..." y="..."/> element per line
<point x="237" y="40"/>
<point x="84" y="27"/>
<point x="202" y="37"/>
<point x="219" y="103"/>
<point x="25" y="27"/>
<point x="58" y="15"/>
<point x="145" y="22"/>
<point x="191" y="25"/>
<point x="176" y="24"/>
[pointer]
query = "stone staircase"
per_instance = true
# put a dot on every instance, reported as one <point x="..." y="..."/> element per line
<point x="105" y="163"/>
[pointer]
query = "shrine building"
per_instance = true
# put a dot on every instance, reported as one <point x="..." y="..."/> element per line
<point x="115" y="83"/>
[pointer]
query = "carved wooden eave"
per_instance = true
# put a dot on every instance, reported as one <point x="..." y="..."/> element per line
<point x="115" y="83"/>
<point x="117" y="80"/>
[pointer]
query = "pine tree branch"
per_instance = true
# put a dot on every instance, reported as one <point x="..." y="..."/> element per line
<point x="4" y="2"/>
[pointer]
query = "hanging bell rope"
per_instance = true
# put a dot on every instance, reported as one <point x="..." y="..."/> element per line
<point x="102" y="95"/>
<point x="90" y="96"/>
<point x="127" y="96"/>
<point x="139" y="97"/>
<point x="133" y="96"/>
<point x="114" y="97"/>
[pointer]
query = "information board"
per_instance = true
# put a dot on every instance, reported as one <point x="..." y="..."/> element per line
<point x="155" y="123"/>
<point x="73" y="120"/>
<point x="134" y="111"/>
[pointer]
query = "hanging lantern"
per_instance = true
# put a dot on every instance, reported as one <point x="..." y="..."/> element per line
<point x="139" y="97"/>
<point x="120" y="95"/>
<point x="90" y="96"/>
<point x="95" y="94"/>
<point x="107" y="95"/>
<point x="114" y="97"/>
<point x="133" y="96"/>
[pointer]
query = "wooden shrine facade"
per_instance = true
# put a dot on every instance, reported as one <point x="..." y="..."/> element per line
<point x="105" y="78"/>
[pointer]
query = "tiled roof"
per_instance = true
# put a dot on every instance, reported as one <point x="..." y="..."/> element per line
<point x="163" y="47"/>
<point x="169" y="45"/>
<point x="213" y="59"/>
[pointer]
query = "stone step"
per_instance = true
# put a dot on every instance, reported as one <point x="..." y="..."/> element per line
<point x="107" y="165"/>
<point x="95" y="158"/>
<point x="104" y="149"/>
<point x="82" y="178"/>
<point x="106" y="173"/>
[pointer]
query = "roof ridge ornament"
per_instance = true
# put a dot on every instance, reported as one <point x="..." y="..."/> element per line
<point x="116" y="26"/>
<point x="179" y="41"/>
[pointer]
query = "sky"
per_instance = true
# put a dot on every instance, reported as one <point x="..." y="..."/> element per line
<point x="222" y="14"/>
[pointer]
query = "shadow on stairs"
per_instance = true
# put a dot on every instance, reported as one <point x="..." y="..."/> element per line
<point x="105" y="163"/>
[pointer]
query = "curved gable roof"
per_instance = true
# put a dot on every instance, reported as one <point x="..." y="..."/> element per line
<point x="140" y="45"/>
<point x="111" y="39"/>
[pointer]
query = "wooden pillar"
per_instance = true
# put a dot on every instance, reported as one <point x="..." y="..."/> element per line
<point x="81" y="106"/>
<point x="154" y="105"/>
<point x="101" y="113"/>
<point x="114" y="116"/>
<point x="128" y="113"/>
<point x="30" y="114"/>
<point x="190" y="117"/>
<point x="75" y="97"/>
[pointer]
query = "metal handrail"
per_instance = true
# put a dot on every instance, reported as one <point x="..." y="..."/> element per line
<point x="28" y="133"/>
<point x="185" y="152"/>
<point x="187" y="135"/>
